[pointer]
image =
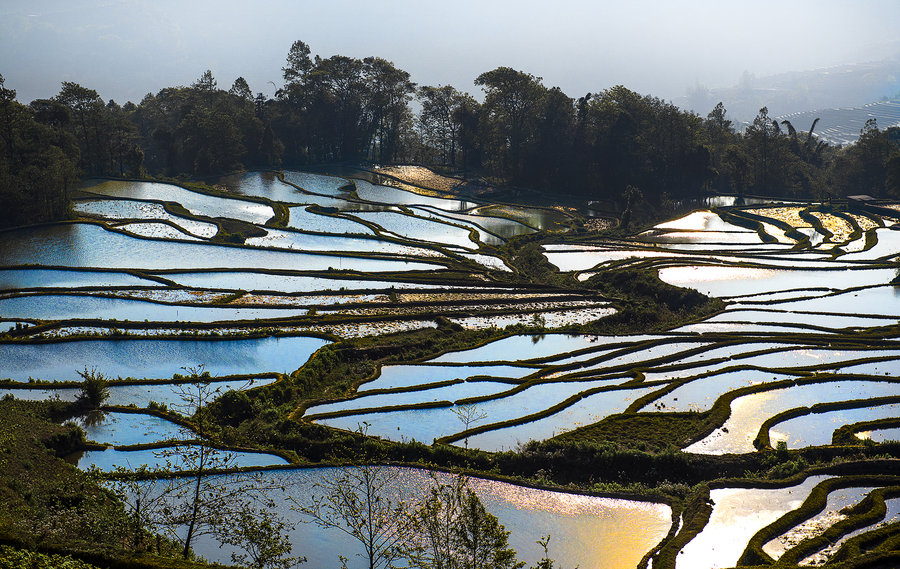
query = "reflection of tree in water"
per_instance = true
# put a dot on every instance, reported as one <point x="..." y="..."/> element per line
<point x="92" y="418"/>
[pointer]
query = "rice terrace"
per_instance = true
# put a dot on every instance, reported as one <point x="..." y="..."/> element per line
<point x="331" y="328"/>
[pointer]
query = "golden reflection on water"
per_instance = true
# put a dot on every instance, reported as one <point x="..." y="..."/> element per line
<point x="738" y="513"/>
<point x="586" y="531"/>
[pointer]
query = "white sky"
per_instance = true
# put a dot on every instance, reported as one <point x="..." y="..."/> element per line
<point x="127" y="48"/>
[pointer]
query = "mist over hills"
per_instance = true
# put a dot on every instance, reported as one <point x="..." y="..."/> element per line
<point x="843" y="86"/>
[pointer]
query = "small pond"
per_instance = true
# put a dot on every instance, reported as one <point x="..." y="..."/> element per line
<point x="64" y="307"/>
<point x="587" y="410"/>
<point x="410" y="375"/>
<point x="133" y="209"/>
<point x="238" y="280"/>
<point x="419" y="228"/>
<point x="56" y="278"/>
<point x="734" y="281"/>
<point x="121" y="429"/>
<point x="138" y="394"/>
<point x="310" y="221"/>
<point x="395" y="196"/>
<point x="308" y="242"/>
<point x="816" y="429"/>
<point x="425" y="425"/>
<point x="107" y="460"/>
<point x="316" y="183"/>
<point x="262" y="184"/>
<point x="527" y="347"/>
<point x="816" y="525"/>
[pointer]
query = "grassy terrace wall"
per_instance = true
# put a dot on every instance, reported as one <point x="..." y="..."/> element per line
<point x="48" y="506"/>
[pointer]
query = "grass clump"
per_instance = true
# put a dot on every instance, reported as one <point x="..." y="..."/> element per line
<point x="94" y="390"/>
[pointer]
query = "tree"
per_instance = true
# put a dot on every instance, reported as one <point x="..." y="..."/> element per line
<point x="762" y="137"/>
<point x="358" y="503"/>
<point x="509" y="110"/>
<point x="196" y="502"/>
<point x="141" y="491"/>
<point x="717" y="125"/>
<point x="298" y="63"/>
<point x="205" y="83"/>
<point x="468" y="415"/>
<point x="545" y="562"/>
<point x="86" y="107"/>
<point x="438" y="119"/>
<point x="386" y="106"/>
<point x="233" y="508"/>
<point x="454" y="531"/>
<point x="332" y="97"/>
<point x="262" y="537"/>
<point x="868" y="166"/>
<point x="467" y="116"/>
<point x="241" y="89"/>
<point x="38" y="160"/>
<point x="550" y="161"/>
<point x="632" y="197"/>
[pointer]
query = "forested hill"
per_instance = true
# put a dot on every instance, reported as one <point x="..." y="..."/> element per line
<point x="345" y="109"/>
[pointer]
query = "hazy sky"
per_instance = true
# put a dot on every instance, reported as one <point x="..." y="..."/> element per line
<point x="127" y="48"/>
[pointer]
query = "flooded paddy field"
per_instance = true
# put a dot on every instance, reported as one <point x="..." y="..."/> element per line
<point x="264" y="284"/>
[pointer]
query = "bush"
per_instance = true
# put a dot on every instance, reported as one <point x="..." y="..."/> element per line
<point x="94" y="390"/>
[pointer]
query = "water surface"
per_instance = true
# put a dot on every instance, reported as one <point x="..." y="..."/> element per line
<point x="619" y="532"/>
<point x="194" y="202"/>
<point x="89" y="245"/>
<point x="153" y="358"/>
<point x="737" y="515"/>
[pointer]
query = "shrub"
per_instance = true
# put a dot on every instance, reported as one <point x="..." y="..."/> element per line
<point x="94" y="390"/>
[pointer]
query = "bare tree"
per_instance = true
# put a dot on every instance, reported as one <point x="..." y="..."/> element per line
<point x="358" y="502"/>
<point x="200" y="505"/>
<point x="468" y="415"/>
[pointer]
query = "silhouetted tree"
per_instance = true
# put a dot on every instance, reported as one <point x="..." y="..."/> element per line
<point x="298" y="62"/>
<point x="508" y="117"/>
<point x="241" y="89"/>
<point x="438" y="120"/>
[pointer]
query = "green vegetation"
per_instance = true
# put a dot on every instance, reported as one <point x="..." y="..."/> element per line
<point x="47" y="505"/>
<point x="94" y="390"/>
<point x="38" y="161"/>
<point x="12" y="558"/>
<point x="236" y="231"/>
<point x="614" y="145"/>
<point x="643" y="431"/>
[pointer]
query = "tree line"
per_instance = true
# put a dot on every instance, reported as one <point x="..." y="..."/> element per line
<point x="340" y="108"/>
